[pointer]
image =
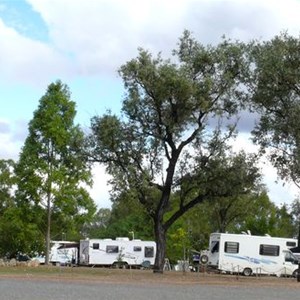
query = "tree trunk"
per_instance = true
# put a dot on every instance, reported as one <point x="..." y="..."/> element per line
<point x="298" y="274"/>
<point x="48" y="229"/>
<point x="160" y="237"/>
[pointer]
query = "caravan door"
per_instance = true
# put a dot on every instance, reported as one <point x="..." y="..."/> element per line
<point x="214" y="250"/>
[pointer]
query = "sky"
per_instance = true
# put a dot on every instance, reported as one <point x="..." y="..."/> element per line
<point x="84" y="43"/>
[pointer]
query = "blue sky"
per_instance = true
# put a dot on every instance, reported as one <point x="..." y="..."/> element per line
<point x="83" y="43"/>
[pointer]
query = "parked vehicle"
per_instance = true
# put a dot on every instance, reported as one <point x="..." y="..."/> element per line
<point x="40" y="258"/>
<point x="249" y="254"/>
<point x="63" y="253"/>
<point x="121" y="251"/>
<point x="22" y="257"/>
<point x="296" y="252"/>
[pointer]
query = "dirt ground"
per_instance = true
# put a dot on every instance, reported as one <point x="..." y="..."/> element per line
<point x="128" y="276"/>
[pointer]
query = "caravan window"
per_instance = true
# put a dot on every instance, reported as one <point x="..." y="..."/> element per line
<point x="149" y="251"/>
<point x="231" y="247"/>
<point x="96" y="246"/>
<point x="112" y="249"/>
<point x="137" y="248"/>
<point x="214" y="246"/>
<point x="269" y="250"/>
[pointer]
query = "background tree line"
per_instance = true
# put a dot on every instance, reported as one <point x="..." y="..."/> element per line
<point x="175" y="177"/>
<point x="127" y="216"/>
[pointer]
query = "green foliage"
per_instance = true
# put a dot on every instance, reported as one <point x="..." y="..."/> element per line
<point x="284" y="222"/>
<point x="295" y="212"/>
<point x="97" y="226"/>
<point x="18" y="235"/>
<point x="264" y="217"/>
<point x="178" y="243"/>
<point x="7" y="182"/>
<point x="127" y="217"/>
<point x="275" y="95"/>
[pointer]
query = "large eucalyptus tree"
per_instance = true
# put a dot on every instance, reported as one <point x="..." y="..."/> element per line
<point x="169" y="146"/>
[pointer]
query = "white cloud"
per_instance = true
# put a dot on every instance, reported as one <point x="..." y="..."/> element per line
<point x="100" y="190"/>
<point x="9" y="149"/>
<point x="26" y="61"/>
<point x="12" y="136"/>
<point x="97" y="36"/>
<point x="101" y="35"/>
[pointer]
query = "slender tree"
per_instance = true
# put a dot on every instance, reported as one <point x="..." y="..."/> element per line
<point x="52" y="173"/>
<point x="165" y="148"/>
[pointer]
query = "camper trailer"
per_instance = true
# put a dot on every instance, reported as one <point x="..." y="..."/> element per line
<point x="121" y="251"/>
<point x="249" y="254"/>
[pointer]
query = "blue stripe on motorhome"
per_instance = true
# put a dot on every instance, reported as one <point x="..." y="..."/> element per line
<point x="252" y="259"/>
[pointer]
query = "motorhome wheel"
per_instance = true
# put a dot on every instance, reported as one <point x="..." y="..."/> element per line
<point x="247" y="272"/>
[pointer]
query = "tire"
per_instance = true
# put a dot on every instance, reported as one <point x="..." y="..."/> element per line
<point x="204" y="259"/>
<point x="295" y="273"/>
<point x="247" y="272"/>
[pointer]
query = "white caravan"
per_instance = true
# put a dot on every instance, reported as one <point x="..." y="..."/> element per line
<point x="63" y="253"/>
<point x="249" y="254"/>
<point x="107" y="252"/>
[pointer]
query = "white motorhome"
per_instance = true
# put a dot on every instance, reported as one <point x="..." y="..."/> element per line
<point x="108" y="252"/>
<point x="249" y="254"/>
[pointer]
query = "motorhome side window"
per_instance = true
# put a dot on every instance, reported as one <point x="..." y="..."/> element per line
<point x="269" y="250"/>
<point x="149" y="251"/>
<point x="215" y="246"/>
<point x="96" y="246"/>
<point x="231" y="247"/>
<point x="291" y="244"/>
<point x="112" y="249"/>
<point x="137" y="248"/>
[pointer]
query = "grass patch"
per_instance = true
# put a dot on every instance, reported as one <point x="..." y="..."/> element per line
<point x="67" y="272"/>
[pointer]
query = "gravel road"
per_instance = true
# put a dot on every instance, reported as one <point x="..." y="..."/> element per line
<point x="35" y="289"/>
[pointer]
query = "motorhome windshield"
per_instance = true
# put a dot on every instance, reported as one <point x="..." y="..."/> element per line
<point x="289" y="256"/>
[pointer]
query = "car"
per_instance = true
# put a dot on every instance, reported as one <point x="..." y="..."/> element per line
<point x="22" y="257"/>
<point x="40" y="258"/>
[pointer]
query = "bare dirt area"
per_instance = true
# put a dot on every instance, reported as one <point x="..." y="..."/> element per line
<point x="144" y="277"/>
